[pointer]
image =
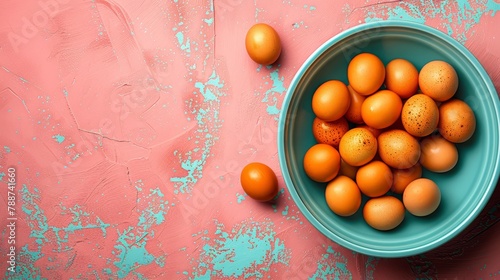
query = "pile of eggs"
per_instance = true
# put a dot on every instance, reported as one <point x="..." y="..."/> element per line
<point x="376" y="133"/>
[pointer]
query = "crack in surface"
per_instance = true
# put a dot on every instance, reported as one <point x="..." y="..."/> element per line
<point x="113" y="139"/>
<point x="71" y="111"/>
<point x="136" y="191"/>
<point x="22" y="79"/>
<point x="18" y="97"/>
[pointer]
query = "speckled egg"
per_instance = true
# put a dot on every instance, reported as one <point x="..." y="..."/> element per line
<point x="358" y="146"/>
<point x="398" y="149"/>
<point x="420" y="115"/>
<point x="329" y="132"/>
<point x="457" y="121"/>
<point x="438" y="79"/>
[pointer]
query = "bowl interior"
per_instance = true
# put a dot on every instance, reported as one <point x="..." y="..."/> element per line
<point x="465" y="190"/>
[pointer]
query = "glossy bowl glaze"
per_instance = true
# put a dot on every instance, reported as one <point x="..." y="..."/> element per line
<point x="465" y="190"/>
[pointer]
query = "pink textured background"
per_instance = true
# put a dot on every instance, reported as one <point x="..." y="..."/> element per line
<point x="128" y="123"/>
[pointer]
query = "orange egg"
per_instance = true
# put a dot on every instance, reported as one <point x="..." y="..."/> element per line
<point x="358" y="146"/>
<point x="439" y="80"/>
<point x="329" y="132"/>
<point x="353" y="114"/>
<point x="366" y="73"/>
<point x="401" y="76"/>
<point x="438" y="154"/>
<point x="398" y="149"/>
<point x="420" y="115"/>
<point x="402" y="177"/>
<point x="422" y="197"/>
<point x="343" y="196"/>
<point x="347" y="170"/>
<point x="322" y="163"/>
<point x="457" y="121"/>
<point x="263" y="44"/>
<point x="381" y="109"/>
<point x="259" y="181"/>
<point x="384" y="212"/>
<point x="374" y="179"/>
<point x="331" y="100"/>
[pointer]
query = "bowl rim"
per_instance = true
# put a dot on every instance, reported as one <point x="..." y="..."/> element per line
<point x="283" y="119"/>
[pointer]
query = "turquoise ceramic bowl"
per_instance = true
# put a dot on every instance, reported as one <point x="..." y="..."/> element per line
<point x="465" y="190"/>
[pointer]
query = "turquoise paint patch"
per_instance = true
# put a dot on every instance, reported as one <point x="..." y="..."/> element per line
<point x="6" y="149"/>
<point x="80" y="221"/>
<point x="59" y="138"/>
<point x="310" y="8"/>
<point x="277" y="87"/>
<point x="411" y="14"/>
<point x="185" y="45"/>
<point x="209" y="21"/>
<point x="285" y="211"/>
<point x="45" y="234"/>
<point x="240" y="198"/>
<point x="281" y="192"/>
<point x="139" y="184"/>
<point x="158" y="216"/>
<point x="208" y="124"/>
<point x="370" y="265"/>
<point x="297" y="25"/>
<point x="131" y="255"/>
<point x="157" y="192"/>
<point x="160" y="261"/>
<point x="204" y="276"/>
<point x="180" y="37"/>
<point x="215" y="80"/>
<point x="458" y="16"/>
<point x="26" y="269"/>
<point x="249" y="250"/>
<point x="130" y="246"/>
<point x="493" y="7"/>
<point x="273" y="109"/>
<point x="207" y="93"/>
<point x="332" y="265"/>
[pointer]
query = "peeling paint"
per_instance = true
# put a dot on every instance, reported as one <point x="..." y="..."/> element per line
<point x="206" y="116"/>
<point x="332" y="265"/>
<point x="59" y="138"/>
<point x="459" y="16"/>
<point x="272" y="95"/>
<point x="247" y="251"/>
